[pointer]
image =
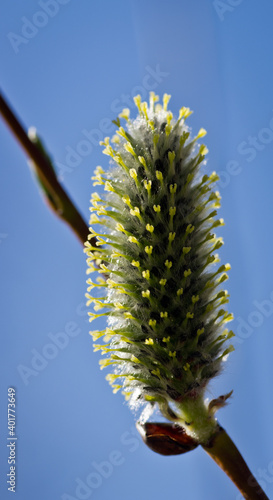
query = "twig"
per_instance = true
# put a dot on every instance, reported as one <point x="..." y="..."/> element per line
<point x="58" y="199"/>
<point x="227" y="456"/>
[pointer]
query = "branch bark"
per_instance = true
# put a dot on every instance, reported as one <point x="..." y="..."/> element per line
<point x="224" y="452"/>
<point x="57" y="197"/>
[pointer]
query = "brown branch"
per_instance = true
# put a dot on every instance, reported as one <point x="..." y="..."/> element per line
<point x="227" y="456"/>
<point x="58" y="199"/>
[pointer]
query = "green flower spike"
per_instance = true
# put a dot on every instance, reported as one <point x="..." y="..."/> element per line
<point x="160" y="278"/>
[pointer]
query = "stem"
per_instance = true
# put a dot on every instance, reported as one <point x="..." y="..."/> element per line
<point x="58" y="199"/>
<point x="202" y="426"/>
<point x="222" y="449"/>
<point x="194" y="416"/>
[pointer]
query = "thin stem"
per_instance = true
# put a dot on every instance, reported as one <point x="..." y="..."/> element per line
<point x="194" y="415"/>
<point x="58" y="199"/>
<point x="222" y="449"/>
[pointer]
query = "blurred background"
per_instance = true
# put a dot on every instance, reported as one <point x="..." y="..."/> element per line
<point x="68" y="68"/>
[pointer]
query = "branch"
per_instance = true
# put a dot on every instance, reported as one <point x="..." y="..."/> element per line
<point x="56" y="196"/>
<point x="227" y="456"/>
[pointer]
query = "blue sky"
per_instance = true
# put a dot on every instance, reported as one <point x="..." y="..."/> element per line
<point x="68" y="68"/>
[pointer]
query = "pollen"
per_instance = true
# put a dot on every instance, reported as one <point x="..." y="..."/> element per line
<point x="156" y="372"/>
<point x="164" y="314"/>
<point x="149" y="341"/>
<point x="137" y="101"/>
<point x="116" y="388"/>
<point x="104" y="362"/>
<point x="134" y="359"/>
<point x="99" y="170"/>
<point x="130" y="149"/>
<point x="189" y="229"/>
<point x="94" y="219"/>
<point x="184" y="112"/>
<point x="133" y="173"/>
<point x="108" y="187"/>
<point x="122" y="132"/>
<point x="142" y="161"/>
<point x="146" y="274"/>
<point x="105" y="142"/>
<point x="195" y="298"/>
<point x="119" y="227"/>
<point x="126" y="200"/>
<point x="153" y="99"/>
<point x="148" y="185"/>
<point x="202" y="132"/>
<point x="159" y="176"/>
<point x="133" y="239"/>
<point x="144" y="108"/>
<point x="171" y="237"/>
<point x="135" y="211"/>
<point x="168" y="127"/>
<point x="115" y="139"/>
<point x="125" y="114"/>
<point x="166" y="99"/>
<point x="155" y="139"/>
<point x="95" y="197"/>
<point x="128" y="315"/>
<point x="118" y="305"/>
<point x="149" y="250"/>
<point x="173" y="188"/>
<point x="171" y="157"/>
<point x="150" y="228"/>
<point x="203" y="150"/>
<point x="109" y="151"/>
<point x="111" y="379"/>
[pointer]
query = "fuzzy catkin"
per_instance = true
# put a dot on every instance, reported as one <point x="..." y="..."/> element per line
<point x="159" y="278"/>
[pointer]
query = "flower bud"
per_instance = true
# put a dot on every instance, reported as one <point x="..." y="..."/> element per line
<point x="167" y="335"/>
